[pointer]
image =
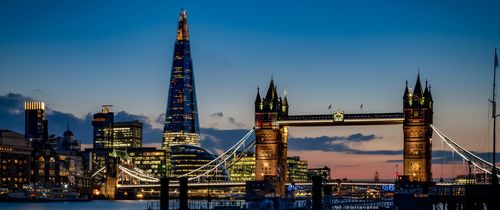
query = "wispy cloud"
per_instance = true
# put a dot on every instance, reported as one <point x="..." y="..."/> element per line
<point x="217" y="115"/>
<point x="234" y="122"/>
<point x="338" y="144"/>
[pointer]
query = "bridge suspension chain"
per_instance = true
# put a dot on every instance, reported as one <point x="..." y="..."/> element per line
<point x="99" y="171"/>
<point x="228" y="162"/>
<point x="205" y="170"/>
<point x="138" y="174"/>
<point x="217" y="163"/>
<point x="465" y="154"/>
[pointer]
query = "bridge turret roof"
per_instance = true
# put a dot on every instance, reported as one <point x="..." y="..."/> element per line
<point x="417" y="91"/>
<point x="271" y="92"/>
<point x="407" y="92"/>
<point x="258" y="99"/>
<point x="427" y="92"/>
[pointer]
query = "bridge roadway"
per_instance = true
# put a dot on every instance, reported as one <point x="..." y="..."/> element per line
<point x="242" y="184"/>
<point x="341" y="119"/>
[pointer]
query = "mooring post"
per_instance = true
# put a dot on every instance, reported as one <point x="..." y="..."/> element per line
<point x="316" y="193"/>
<point x="164" y="197"/>
<point x="183" y="193"/>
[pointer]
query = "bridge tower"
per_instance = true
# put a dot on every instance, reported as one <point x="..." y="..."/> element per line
<point x="418" y="115"/>
<point x="271" y="139"/>
<point x="109" y="188"/>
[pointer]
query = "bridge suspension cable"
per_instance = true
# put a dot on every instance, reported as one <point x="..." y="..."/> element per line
<point x="216" y="163"/>
<point x="99" y="171"/>
<point x="465" y="154"/>
<point x="229" y="156"/>
<point x="139" y="174"/>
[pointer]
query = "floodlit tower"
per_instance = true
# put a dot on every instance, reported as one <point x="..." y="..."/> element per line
<point x="418" y="112"/>
<point x="270" y="138"/>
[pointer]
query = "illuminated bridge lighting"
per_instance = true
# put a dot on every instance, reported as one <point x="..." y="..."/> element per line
<point x="341" y="119"/>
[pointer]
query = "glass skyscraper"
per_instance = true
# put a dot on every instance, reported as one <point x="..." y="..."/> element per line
<point x="181" y="120"/>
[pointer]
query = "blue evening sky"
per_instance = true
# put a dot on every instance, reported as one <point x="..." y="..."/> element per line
<point x="77" y="55"/>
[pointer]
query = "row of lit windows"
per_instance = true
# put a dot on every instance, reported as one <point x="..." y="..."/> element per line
<point x="15" y="179"/>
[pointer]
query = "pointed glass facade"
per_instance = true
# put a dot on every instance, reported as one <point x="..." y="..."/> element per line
<point x="181" y="121"/>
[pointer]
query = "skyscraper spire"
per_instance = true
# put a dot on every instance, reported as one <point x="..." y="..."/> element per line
<point x="181" y="119"/>
<point x="182" y="28"/>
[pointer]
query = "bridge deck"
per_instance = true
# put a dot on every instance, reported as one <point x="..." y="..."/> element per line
<point x="340" y="119"/>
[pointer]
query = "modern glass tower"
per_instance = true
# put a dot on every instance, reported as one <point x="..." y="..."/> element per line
<point x="181" y="120"/>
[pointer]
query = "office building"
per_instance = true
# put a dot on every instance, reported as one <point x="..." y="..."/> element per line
<point x="324" y="172"/>
<point x="149" y="159"/>
<point x="15" y="153"/>
<point x="186" y="158"/>
<point x="34" y="115"/>
<point x="243" y="170"/>
<point x="102" y="123"/>
<point x="297" y="169"/>
<point x="127" y="134"/>
<point x="45" y="161"/>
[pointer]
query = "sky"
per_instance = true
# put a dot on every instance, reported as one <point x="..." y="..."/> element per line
<point x="78" y="55"/>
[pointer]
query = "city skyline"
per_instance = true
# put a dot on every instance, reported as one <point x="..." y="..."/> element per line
<point x="352" y="67"/>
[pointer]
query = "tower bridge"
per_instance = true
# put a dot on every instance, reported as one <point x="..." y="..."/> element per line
<point x="272" y="120"/>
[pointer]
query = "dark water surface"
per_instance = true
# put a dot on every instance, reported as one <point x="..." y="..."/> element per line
<point x="90" y="205"/>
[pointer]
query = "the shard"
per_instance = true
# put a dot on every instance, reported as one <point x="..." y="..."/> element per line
<point x="181" y="120"/>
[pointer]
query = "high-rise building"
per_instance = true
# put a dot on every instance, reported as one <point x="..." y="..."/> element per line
<point x="149" y="159"/>
<point x="127" y="134"/>
<point x="45" y="160"/>
<point x="103" y="128"/>
<point x="324" y="173"/>
<point x="181" y="120"/>
<point x="34" y="114"/>
<point x="297" y="169"/>
<point x="15" y="160"/>
<point x="243" y="169"/>
<point x="187" y="158"/>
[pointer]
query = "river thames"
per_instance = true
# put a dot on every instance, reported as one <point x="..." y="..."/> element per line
<point x="117" y="204"/>
<point x="88" y="205"/>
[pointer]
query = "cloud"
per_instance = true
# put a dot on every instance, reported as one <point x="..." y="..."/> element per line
<point x="215" y="140"/>
<point x="394" y="161"/>
<point x="345" y="165"/>
<point x="233" y="122"/>
<point x="149" y="134"/>
<point x="160" y="119"/>
<point x="12" y="118"/>
<point x="338" y="144"/>
<point x="217" y="115"/>
<point x="12" y="111"/>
